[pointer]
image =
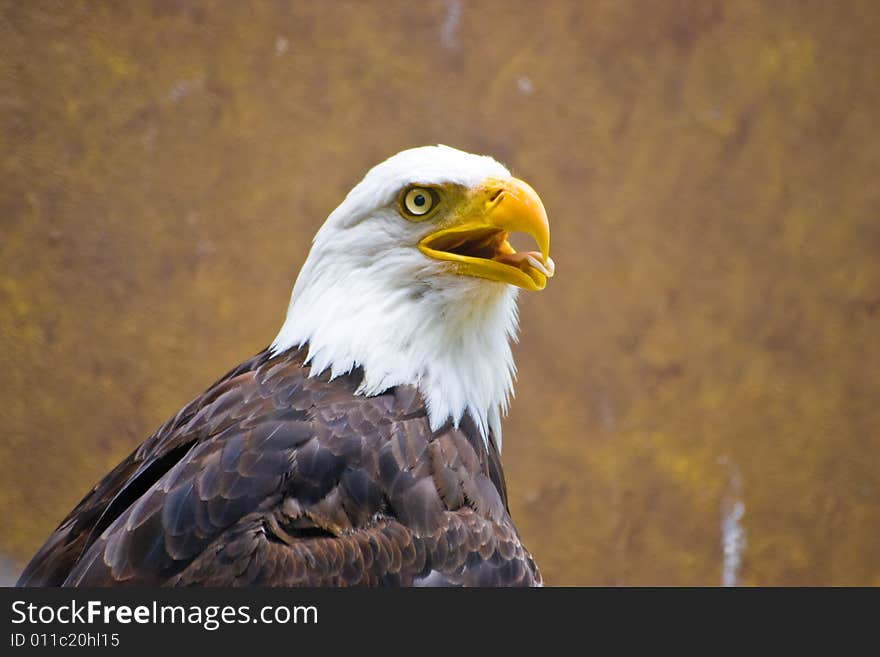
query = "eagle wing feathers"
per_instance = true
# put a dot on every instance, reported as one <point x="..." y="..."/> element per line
<point x="275" y="478"/>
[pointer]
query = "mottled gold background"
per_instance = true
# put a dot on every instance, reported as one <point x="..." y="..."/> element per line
<point x="711" y="344"/>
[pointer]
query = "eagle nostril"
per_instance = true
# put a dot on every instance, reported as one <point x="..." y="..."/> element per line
<point x="495" y="194"/>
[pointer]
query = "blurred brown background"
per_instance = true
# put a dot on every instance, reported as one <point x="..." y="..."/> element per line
<point x="699" y="385"/>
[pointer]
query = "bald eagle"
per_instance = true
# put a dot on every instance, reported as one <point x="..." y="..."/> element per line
<point x="362" y="447"/>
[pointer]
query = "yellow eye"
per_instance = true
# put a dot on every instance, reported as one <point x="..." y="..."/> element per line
<point x="419" y="201"/>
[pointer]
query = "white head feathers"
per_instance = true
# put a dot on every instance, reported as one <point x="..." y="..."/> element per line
<point x="366" y="296"/>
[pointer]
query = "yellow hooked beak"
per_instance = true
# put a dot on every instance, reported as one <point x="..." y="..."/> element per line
<point x="475" y="240"/>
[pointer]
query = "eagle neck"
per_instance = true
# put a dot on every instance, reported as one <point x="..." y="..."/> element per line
<point x="450" y="338"/>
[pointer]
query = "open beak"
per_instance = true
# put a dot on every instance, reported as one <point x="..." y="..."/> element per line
<point x="475" y="240"/>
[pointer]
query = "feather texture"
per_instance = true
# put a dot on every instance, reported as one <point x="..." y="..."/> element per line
<point x="273" y="477"/>
<point x="361" y="448"/>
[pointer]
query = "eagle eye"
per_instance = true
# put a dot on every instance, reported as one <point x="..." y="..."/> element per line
<point x="417" y="202"/>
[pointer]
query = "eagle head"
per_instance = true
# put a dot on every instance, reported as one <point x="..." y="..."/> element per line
<point x="412" y="278"/>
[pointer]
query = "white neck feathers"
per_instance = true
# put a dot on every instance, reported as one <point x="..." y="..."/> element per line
<point x="455" y="349"/>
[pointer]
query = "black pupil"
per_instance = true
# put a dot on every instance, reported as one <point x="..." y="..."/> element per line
<point x="419" y="200"/>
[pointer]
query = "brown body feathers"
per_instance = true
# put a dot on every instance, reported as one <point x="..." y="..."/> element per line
<point x="271" y="478"/>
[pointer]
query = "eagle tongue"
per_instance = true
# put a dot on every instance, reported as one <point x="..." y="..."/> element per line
<point x="522" y="259"/>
